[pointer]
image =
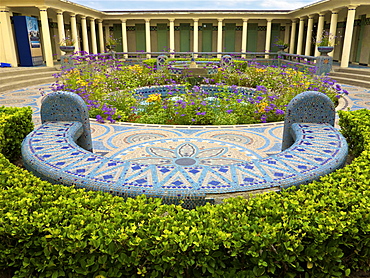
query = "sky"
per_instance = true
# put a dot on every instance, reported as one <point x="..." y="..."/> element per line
<point x="141" y="5"/>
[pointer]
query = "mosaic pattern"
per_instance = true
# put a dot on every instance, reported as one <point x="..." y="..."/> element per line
<point x="67" y="106"/>
<point x="55" y="152"/>
<point x="51" y="153"/>
<point x="307" y="107"/>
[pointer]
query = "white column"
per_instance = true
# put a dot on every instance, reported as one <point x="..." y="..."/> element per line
<point x="60" y="20"/>
<point x="93" y="36"/>
<point x="244" y="36"/>
<point x="300" y="36"/>
<point x="348" y="36"/>
<point x="195" y="38"/>
<point x="46" y="36"/>
<point x="7" y="46"/>
<point x="172" y="35"/>
<point x="320" y="29"/>
<point x="309" y="36"/>
<point x="85" y="39"/>
<point x="101" y="35"/>
<point x="219" y="37"/>
<point x="124" y="36"/>
<point x="147" y="37"/>
<point x="268" y="37"/>
<point x="292" y="36"/>
<point x="74" y="32"/>
<point x="107" y="32"/>
<point x="333" y="28"/>
<point x="286" y="33"/>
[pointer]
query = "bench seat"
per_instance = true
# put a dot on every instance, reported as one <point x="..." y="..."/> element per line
<point x="51" y="152"/>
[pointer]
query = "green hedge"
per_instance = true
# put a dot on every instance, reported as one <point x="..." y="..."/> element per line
<point x="15" y="124"/>
<point x="320" y="230"/>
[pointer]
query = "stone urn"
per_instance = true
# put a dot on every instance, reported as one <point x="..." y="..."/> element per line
<point x="324" y="50"/>
<point x="68" y="49"/>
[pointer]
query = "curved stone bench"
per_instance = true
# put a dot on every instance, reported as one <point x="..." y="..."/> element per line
<point x="60" y="152"/>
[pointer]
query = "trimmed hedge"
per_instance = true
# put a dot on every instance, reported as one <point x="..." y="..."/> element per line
<point x="15" y="124"/>
<point x="320" y="230"/>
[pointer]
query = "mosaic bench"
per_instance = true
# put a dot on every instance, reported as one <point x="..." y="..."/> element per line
<point x="60" y="151"/>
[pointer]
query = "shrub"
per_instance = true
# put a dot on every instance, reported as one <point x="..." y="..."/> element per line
<point x="319" y="230"/>
<point x="15" y="124"/>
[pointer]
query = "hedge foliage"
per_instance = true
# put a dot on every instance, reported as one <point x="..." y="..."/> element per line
<point x="319" y="230"/>
<point x="15" y="124"/>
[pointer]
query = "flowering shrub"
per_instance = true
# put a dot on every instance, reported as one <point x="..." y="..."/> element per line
<point x="107" y="87"/>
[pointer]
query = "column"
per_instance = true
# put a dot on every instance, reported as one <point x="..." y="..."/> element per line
<point x="196" y="36"/>
<point x="60" y="21"/>
<point x="101" y="35"/>
<point x="147" y="37"/>
<point x="124" y="36"/>
<point x="320" y="29"/>
<point x="107" y="32"/>
<point x="46" y="36"/>
<point x="219" y="37"/>
<point x="309" y="36"/>
<point x="292" y="36"/>
<point x="74" y="32"/>
<point x="85" y="39"/>
<point x="93" y="36"/>
<point x="333" y="28"/>
<point x="348" y="36"/>
<point x="268" y="37"/>
<point x="7" y="46"/>
<point x="300" y="36"/>
<point x="286" y="33"/>
<point x="244" y="36"/>
<point x="172" y="36"/>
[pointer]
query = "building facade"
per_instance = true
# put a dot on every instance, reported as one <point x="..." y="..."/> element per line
<point x="192" y="31"/>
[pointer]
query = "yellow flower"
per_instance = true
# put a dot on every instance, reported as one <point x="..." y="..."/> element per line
<point x="136" y="68"/>
<point x="260" y="70"/>
<point x="261" y="107"/>
<point x="154" y="97"/>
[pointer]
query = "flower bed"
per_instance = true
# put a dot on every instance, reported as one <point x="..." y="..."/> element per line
<point x="108" y="88"/>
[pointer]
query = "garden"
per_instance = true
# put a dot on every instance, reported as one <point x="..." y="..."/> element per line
<point x="318" y="230"/>
<point x="245" y="93"/>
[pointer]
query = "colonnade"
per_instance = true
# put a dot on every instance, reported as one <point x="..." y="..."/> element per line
<point x="294" y="25"/>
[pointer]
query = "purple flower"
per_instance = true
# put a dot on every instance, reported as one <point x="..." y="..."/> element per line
<point x="261" y="89"/>
<point x="229" y="111"/>
<point x="109" y="118"/>
<point x="99" y="119"/>
<point x="263" y="119"/>
<point x="203" y="103"/>
<point x="279" y="112"/>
